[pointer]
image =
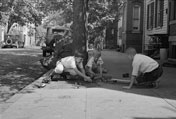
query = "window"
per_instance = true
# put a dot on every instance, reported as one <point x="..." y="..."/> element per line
<point x="136" y="18"/>
<point x="150" y="15"/>
<point x="159" y="8"/>
<point x="112" y="31"/>
<point x="174" y="10"/>
<point x="172" y="7"/>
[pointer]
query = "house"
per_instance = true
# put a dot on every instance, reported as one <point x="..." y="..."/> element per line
<point x="172" y="30"/>
<point x="156" y="35"/>
<point x="111" y="35"/>
<point x="29" y="35"/>
<point x="132" y="24"/>
<point x="119" y="35"/>
<point x="26" y="32"/>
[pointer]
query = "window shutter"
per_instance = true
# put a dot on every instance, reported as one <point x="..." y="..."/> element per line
<point x="156" y="13"/>
<point x="147" y="16"/>
<point x="152" y="14"/>
<point x="174" y="10"/>
<point x="169" y="11"/>
<point x="161" y="12"/>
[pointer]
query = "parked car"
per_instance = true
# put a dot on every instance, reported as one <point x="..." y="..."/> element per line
<point x="12" y="41"/>
<point x="52" y="35"/>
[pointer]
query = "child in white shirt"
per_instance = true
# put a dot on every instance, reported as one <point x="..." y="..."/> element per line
<point x="72" y="65"/>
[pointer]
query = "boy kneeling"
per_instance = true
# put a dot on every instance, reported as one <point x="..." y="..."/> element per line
<point x="72" y="65"/>
<point x="145" y="70"/>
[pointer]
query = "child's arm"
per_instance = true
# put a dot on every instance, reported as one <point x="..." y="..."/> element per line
<point x="133" y="78"/>
<point x="101" y="70"/>
<point x="90" y="70"/>
<point x="82" y="74"/>
<point x="89" y="66"/>
<point x="100" y="66"/>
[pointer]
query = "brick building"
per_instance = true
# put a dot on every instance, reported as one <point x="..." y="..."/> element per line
<point x="172" y="30"/>
<point x="132" y="24"/>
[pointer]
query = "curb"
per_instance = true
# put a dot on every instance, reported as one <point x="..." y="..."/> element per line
<point x="27" y="89"/>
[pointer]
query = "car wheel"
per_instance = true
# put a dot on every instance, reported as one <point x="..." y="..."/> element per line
<point x="44" y="53"/>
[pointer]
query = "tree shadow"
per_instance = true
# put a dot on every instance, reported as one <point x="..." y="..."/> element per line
<point x="18" y="68"/>
<point x="117" y="64"/>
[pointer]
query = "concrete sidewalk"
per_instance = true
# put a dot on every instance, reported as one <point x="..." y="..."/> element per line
<point x="64" y="100"/>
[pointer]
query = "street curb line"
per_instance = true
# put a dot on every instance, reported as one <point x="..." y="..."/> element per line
<point x="38" y="81"/>
<point x="27" y="89"/>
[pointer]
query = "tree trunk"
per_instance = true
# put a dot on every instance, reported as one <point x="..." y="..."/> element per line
<point x="9" y="26"/>
<point x="79" y="28"/>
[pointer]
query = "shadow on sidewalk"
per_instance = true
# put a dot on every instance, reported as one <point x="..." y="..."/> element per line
<point x="118" y="64"/>
<point x="18" y="68"/>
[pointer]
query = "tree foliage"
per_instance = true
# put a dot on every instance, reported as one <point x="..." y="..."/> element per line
<point x="58" y="12"/>
<point x="21" y="12"/>
<point x="101" y="13"/>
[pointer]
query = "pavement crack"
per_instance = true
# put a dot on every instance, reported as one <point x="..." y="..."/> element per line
<point x="164" y="100"/>
<point x="86" y="106"/>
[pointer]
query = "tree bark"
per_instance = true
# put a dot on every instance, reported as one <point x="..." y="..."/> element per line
<point x="79" y="27"/>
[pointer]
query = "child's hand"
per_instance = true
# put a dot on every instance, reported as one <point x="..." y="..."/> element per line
<point x="126" y="87"/>
<point x="98" y="76"/>
<point x="92" y="75"/>
<point x="88" y="79"/>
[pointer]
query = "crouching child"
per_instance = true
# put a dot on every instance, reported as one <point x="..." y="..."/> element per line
<point x="94" y="67"/>
<point x="145" y="70"/>
<point x="72" y="65"/>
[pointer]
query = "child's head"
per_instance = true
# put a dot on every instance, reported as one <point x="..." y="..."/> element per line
<point x="131" y="52"/>
<point x="78" y="57"/>
<point x="91" y="45"/>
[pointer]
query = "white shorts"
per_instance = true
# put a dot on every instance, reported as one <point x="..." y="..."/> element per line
<point x="59" y="68"/>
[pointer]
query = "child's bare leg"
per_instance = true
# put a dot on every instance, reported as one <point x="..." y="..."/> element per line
<point x="159" y="73"/>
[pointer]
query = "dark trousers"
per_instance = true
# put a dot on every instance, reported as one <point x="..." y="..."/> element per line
<point x="150" y="76"/>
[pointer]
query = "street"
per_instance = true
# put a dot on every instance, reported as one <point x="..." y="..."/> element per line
<point x="18" y="68"/>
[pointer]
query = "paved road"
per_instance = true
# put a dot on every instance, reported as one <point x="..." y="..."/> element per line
<point x="18" y="68"/>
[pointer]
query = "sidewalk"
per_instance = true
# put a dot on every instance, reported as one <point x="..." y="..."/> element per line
<point x="64" y="100"/>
